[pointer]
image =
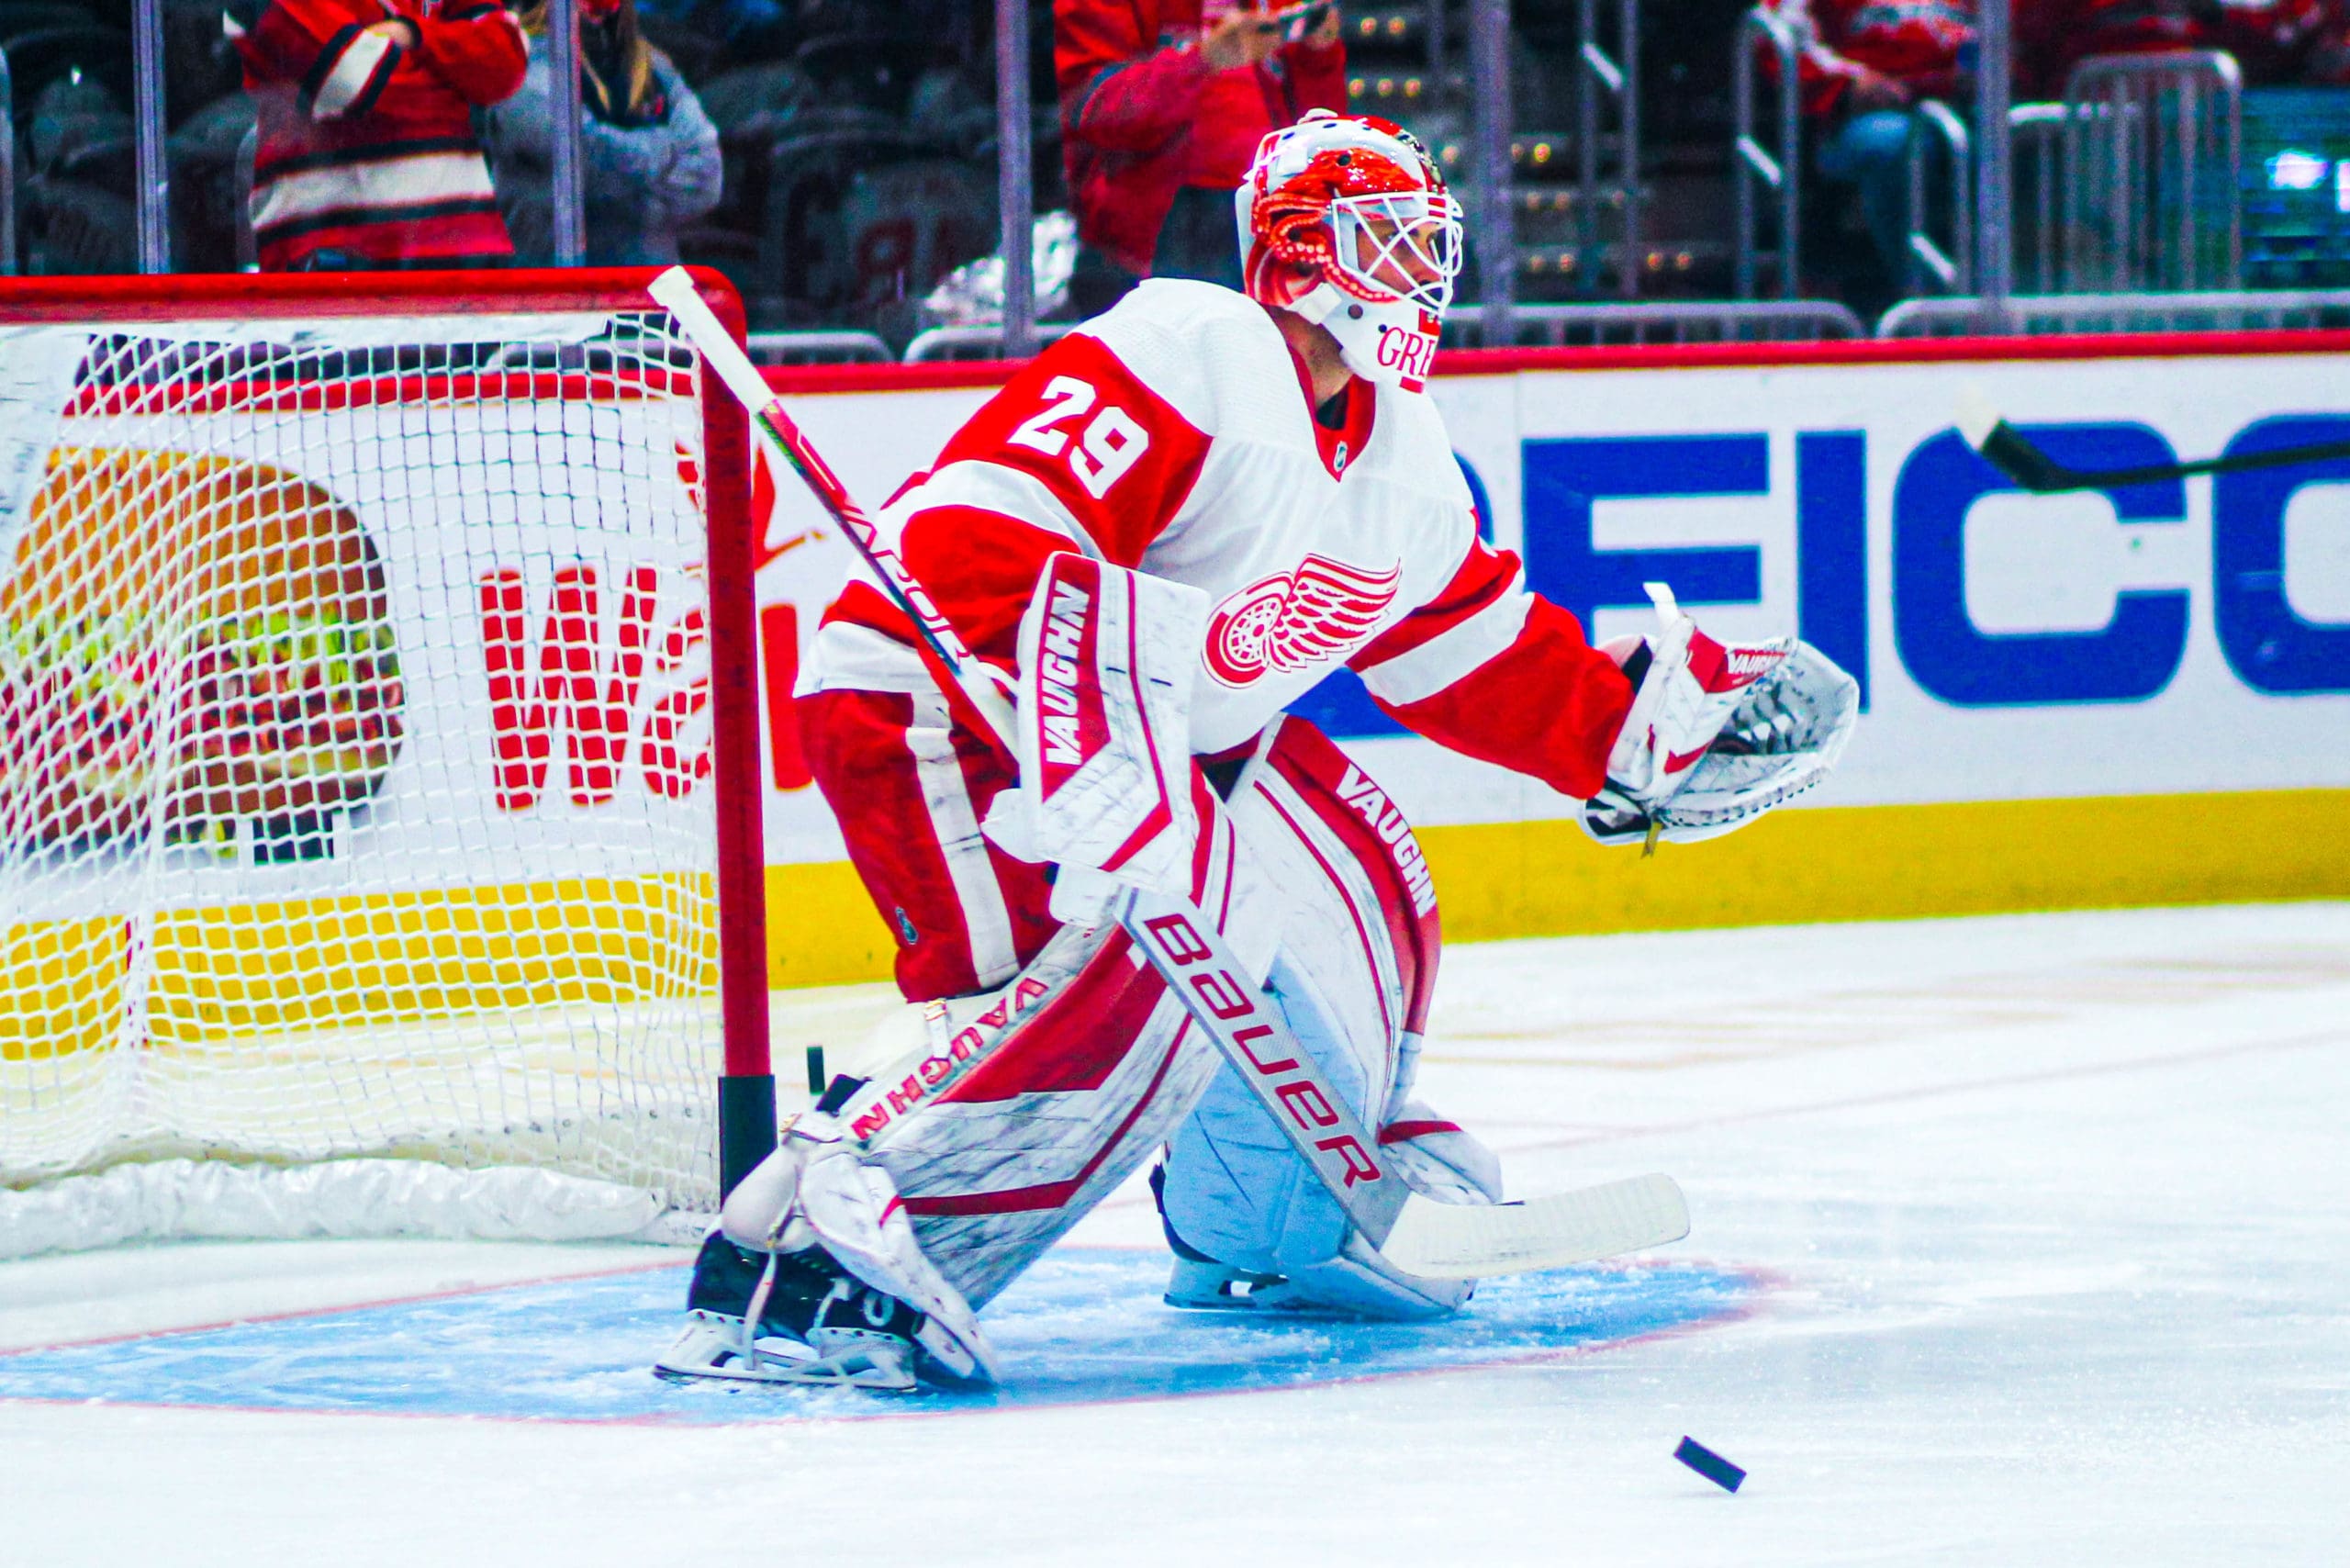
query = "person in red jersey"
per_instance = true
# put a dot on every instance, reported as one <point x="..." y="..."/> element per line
<point x="366" y="155"/>
<point x="2275" y="42"/>
<point x="1166" y="527"/>
<point x="2281" y="44"/>
<point x="1162" y="105"/>
<point x="1859" y="56"/>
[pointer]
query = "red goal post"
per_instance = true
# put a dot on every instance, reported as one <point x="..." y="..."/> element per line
<point x="380" y="697"/>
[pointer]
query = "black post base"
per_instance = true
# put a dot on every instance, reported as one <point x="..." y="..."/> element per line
<point x="746" y="1125"/>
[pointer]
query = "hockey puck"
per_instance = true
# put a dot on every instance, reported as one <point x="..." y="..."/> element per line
<point x="1710" y="1464"/>
<point x="816" y="1069"/>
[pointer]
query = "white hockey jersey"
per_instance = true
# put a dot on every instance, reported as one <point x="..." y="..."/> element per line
<point x="1175" y="434"/>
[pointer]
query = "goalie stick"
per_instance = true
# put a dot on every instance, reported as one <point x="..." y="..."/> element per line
<point x="2018" y="457"/>
<point x="1415" y="1233"/>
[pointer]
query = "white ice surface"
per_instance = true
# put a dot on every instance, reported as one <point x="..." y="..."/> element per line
<point x="2058" y="1207"/>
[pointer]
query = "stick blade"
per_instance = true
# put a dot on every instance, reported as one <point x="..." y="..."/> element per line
<point x="1467" y="1241"/>
<point x="2013" y="455"/>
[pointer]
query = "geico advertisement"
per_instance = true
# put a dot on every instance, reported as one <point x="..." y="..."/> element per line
<point x="2176" y="637"/>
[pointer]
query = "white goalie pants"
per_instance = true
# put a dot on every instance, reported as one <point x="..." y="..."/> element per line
<point x="1003" y="1118"/>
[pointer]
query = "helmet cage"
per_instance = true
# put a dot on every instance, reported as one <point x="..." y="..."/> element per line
<point x="1396" y="245"/>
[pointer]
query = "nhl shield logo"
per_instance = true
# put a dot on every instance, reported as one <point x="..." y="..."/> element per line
<point x="1292" y="620"/>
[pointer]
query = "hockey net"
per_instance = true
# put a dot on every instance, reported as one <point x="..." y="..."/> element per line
<point x="360" y="769"/>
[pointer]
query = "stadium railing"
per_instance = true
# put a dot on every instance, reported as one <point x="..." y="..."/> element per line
<point x="1752" y="166"/>
<point x="976" y="342"/>
<point x="2119" y="187"/>
<point x="248" y="245"/>
<point x="2199" y="310"/>
<point x="1493" y="184"/>
<point x="2154" y="148"/>
<point x="818" y="348"/>
<point x="1607" y="80"/>
<point x="1935" y="130"/>
<point x="7" y="170"/>
<point x="2037" y="138"/>
<point x="153" y="167"/>
<point x="1658" y="321"/>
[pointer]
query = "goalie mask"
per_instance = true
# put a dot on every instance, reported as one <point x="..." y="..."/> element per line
<point x="1348" y="223"/>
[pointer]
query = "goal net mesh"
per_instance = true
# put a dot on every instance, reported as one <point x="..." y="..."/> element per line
<point x="356" y="751"/>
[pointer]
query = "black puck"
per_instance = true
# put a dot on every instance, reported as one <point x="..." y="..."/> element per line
<point x="1710" y="1464"/>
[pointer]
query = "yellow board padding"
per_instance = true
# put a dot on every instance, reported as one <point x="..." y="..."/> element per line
<point x="256" y="969"/>
<point x="61" y="986"/>
<point x="821" y="929"/>
<point x="1898" y="863"/>
<point x="231" y="971"/>
<point x="1546" y="878"/>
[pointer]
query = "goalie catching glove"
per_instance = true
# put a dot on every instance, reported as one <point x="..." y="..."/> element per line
<point x="1716" y="734"/>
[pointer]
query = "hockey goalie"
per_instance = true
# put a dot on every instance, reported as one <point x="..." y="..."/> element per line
<point x="1165" y="528"/>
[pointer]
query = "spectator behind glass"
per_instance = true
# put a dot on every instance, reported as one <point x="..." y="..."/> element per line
<point x="1162" y="105"/>
<point x="1863" y="64"/>
<point x="2289" y="42"/>
<point x="649" y="162"/>
<point x="2276" y="42"/>
<point x="2054" y="36"/>
<point x="365" y="155"/>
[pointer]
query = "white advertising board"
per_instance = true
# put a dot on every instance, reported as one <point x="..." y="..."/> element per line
<point x="2179" y="638"/>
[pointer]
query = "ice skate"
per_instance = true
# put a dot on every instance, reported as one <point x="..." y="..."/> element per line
<point x="814" y="1276"/>
<point x="815" y="1324"/>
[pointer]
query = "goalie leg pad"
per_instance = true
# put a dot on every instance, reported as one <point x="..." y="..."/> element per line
<point x="1011" y="1115"/>
<point x="1439" y="1158"/>
<point x="1235" y="1190"/>
<point x="1358" y="1283"/>
<point x="1359" y="943"/>
<point x="1002" y="1119"/>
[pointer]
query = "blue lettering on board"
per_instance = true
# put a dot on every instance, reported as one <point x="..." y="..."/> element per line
<point x="2131" y="658"/>
<point x="2268" y="644"/>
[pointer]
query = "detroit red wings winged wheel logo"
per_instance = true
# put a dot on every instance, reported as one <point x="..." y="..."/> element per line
<point x="1292" y="620"/>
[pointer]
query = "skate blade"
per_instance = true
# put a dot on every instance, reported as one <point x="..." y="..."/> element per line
<point x="1222" y="1296"/>
<point x="1240" y="1304"/>
<point x="711" y="1351"/>
<point x="854" y="1370"/>
<point x="1268" y="1302"/>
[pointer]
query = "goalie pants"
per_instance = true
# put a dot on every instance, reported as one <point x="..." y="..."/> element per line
<point x="1016" y="1110"/>
<point x="910" y="789"/>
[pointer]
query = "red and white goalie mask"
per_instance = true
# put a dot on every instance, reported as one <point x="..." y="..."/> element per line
<point x="1348" y="223"/>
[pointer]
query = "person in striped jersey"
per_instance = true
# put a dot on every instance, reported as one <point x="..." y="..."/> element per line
<point x="368" y="156"/>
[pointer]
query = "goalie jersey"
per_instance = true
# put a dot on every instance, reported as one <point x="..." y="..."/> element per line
<point x="1175" y="436"/>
